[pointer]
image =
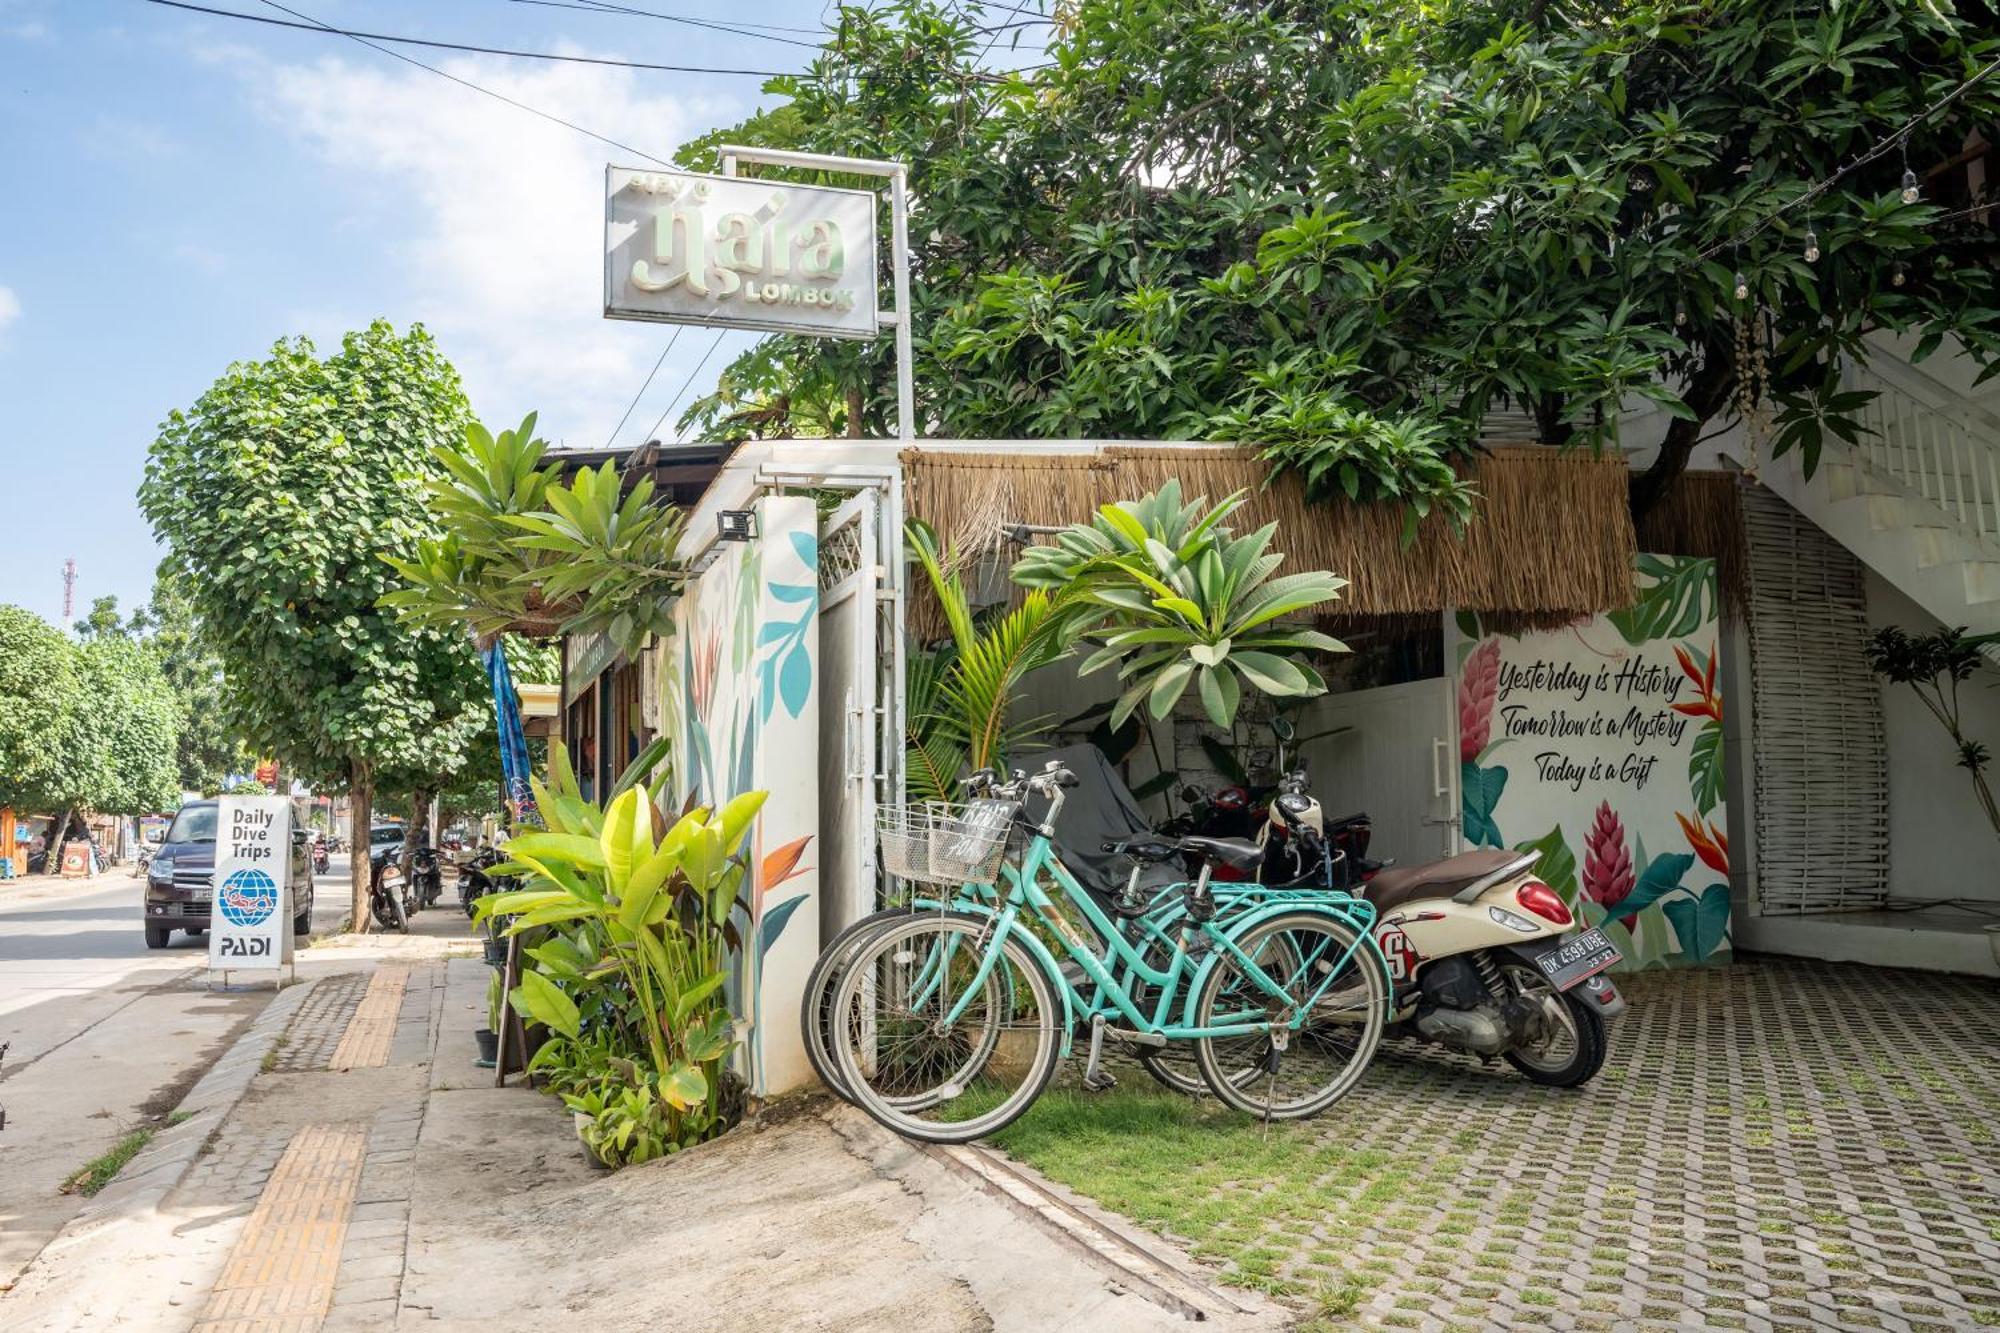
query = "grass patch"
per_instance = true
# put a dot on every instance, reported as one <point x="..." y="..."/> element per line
<point x="100" y="1171"/>
<point x="270" y="1060"/>
<point x="1217" y="1181"/>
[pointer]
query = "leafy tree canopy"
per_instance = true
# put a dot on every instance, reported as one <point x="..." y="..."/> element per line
<point x="40" y="714"/>
<point x="206" y="749"/>
<point x="135" y="728"/>
<point x="1350" y="230"/>
<point x="277" y="495"/>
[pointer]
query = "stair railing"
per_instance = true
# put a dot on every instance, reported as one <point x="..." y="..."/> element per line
<point x="1940" y="447"/>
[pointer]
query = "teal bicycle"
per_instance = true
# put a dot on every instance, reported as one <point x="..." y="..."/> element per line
<point x="945" y="1020"/>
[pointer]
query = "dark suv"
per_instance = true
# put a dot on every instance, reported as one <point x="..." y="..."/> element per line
<point x="180" y="884"/>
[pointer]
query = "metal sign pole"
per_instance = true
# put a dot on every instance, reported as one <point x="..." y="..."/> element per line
<point x="898" y="177"/>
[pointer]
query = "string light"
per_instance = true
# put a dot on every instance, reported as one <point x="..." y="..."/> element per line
<point x="1910" y="191"/>
<point x="1900" y="275"/>
<point x="1680" y="315"/>
<point x="1812" y="246"/>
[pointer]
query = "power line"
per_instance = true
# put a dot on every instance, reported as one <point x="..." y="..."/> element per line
<point x="739" y="30"/>
<point x="549" y="116"/>
<point x="365" y="37"/>
<point x="685" y="384"/>
<point x="643" y="387"/>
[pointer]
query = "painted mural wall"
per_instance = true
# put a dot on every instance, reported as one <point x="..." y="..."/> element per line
<point x="737" y="701"/>
<point x="1600" y="745"/>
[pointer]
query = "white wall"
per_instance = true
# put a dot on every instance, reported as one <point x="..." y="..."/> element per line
<point x="1940" y="843"/>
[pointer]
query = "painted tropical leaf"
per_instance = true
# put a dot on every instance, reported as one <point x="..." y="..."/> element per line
<point x="807" y="547"/>
<point x="782" y="864"/>
<point x="1480" y="790"/>
<point x="795" y="679"/>
<point x="774" y="923"/>
<point x="1705" y="767"/>
<point x="1680" y="597"/>
<point x="1701" y="923"/>
<point x="793" y="592"/>
<point x="1661" y="877"/>
<point x="1556" y="866"/>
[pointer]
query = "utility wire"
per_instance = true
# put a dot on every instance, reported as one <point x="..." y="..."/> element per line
<point x="367" y="38"/>
<point x="1874" y="154"/>
<point x="684" y="386"/>
<point x="769" y="33"/>
<point x="478" y="88"/>
<point x="643" y="387"/>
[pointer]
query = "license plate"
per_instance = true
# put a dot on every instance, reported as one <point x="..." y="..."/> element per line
<point x="1574" y="959"/>
<point x="202" y="895"/>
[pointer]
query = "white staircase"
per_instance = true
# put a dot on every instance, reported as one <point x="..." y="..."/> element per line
<point x="1917" y="500"/>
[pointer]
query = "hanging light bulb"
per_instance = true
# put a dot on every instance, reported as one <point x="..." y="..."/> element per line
<point x="1742" y="286"/>
<point x="1812" y="246"/>
<point x="1900" y="275"/>
<point x="1680" y="315"/>
<point x="1909" y="186"/>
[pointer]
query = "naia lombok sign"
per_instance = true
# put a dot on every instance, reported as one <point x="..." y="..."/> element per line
<point x="739" y="252"/>
<point x="1600" y="746"/>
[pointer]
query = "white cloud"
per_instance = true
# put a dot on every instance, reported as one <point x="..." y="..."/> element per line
<point x="494" y="217"/>
<point x="10" y="307"/>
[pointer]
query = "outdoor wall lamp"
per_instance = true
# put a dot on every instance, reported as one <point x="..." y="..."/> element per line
<point x="736" y="525"/>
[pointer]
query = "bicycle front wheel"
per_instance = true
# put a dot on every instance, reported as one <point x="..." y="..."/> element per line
<point x="943" y="1033"/>
<point x="1321" y="964"/>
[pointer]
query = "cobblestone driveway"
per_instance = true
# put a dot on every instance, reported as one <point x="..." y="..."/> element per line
<point x="1772" y="1144"/>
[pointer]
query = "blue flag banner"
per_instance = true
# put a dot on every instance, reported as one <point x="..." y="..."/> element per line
<point x="514" y="766"/>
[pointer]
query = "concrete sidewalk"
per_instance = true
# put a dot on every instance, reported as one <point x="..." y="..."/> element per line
<point x="349" y="1168"/>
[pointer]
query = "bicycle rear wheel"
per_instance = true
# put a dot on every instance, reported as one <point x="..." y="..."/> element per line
<point x="1288" y="1075"/>
<point x="934" y="1043"/>
<point x="816" y="1011"/>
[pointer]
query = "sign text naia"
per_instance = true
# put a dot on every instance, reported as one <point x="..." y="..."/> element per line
<point x="731" y="250"/>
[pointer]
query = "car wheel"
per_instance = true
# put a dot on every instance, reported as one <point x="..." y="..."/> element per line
<point x="156" y="936"/>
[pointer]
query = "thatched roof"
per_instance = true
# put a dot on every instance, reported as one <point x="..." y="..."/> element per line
<point x="1551" y="537"/>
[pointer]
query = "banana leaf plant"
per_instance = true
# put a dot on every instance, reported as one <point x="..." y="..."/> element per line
<point x="960" y="697"/>
<point x="1176" y="599"/>
<point x="652" y="901"/>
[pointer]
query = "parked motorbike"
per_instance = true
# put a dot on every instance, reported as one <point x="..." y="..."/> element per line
<point x="386" y="898"/>
<point x="476" y="880"/>
<point x="320" y="856"/>
<point x="1485" y="958"/>
<point x="426" y="876"/>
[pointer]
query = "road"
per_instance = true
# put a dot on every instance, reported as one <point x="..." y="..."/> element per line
<point x="103" y="1034"/>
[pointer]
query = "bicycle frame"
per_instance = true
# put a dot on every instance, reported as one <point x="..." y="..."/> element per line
<point x="1121" y="962"/>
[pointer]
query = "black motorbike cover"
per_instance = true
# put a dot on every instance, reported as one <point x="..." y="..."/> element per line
<point x="1099" y="809"/>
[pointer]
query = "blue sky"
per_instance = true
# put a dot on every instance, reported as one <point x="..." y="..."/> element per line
<point x="177" y="191"/>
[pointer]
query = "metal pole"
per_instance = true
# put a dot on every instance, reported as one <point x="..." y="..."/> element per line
<point x="906" y="387"/>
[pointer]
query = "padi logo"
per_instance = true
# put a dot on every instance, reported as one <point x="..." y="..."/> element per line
<point x="247" y="898"/>
<point x="748" y="256"/>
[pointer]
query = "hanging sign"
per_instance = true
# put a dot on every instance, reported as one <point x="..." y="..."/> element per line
<point x="251" y="923"/>
<point x="732" y="251"/>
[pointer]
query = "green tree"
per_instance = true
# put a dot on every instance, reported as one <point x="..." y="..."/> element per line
<point x="41" y="716"/>
<point x="135" y="725"/>
<point x="277" y="495"/>
<point x="209" y="747"/>
<point x="1350" y="230"/>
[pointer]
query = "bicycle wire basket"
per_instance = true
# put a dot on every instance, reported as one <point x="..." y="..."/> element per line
<point x="937" y="844"/>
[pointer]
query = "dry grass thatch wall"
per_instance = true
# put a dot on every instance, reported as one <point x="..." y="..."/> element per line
<point x="1702" y="514"/>
<point x="1551" y="536"/>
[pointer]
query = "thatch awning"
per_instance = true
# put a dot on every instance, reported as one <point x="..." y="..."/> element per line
<point x="1551" y="536"/>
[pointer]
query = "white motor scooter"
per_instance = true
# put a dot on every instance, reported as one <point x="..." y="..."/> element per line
<point x="1484" y="957"/>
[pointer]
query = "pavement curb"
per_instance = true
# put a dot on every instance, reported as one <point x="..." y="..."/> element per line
<point x="151" y="1175"/>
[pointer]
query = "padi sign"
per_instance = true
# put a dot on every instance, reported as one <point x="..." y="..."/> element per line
<point x="251" y="926"/>
<point x="740" y="252"/>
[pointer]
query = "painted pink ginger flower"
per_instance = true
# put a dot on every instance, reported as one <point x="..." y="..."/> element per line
<point x="1478" y="686"/>
<point x="1607" y="862"/>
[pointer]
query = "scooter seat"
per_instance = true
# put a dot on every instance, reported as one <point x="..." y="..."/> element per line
<point x="1398" y="885"/>
<point x="1235" y="853"/>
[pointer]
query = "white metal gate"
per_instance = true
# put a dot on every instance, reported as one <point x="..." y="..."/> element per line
<point x="1395" y="755"/>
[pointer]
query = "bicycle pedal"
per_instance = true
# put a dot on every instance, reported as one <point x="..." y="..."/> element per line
<point x="1099" y="1081"/>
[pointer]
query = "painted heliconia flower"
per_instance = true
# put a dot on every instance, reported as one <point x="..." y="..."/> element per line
<point x="1478" y="685"/>
<point x="1607" y="861"/>
<point x="1710" y="843"/>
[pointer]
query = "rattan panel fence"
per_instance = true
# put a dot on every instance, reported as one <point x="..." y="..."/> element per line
<point x="1822" y="783"/>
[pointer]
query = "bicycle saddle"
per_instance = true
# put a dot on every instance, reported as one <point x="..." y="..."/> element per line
<point x="1236" y="853"/>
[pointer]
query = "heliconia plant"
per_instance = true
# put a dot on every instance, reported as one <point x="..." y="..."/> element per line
<point x="1607" y="861"/>
<point x="1176" y="599"/>
<point x="644" y="907"/>
<point x="1478" y="687"/>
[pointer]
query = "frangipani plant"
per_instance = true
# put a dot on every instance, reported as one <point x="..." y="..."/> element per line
<point x="527" y="552"/>
<point x="1177" y="599"/>
<point x="653" y="902"/>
